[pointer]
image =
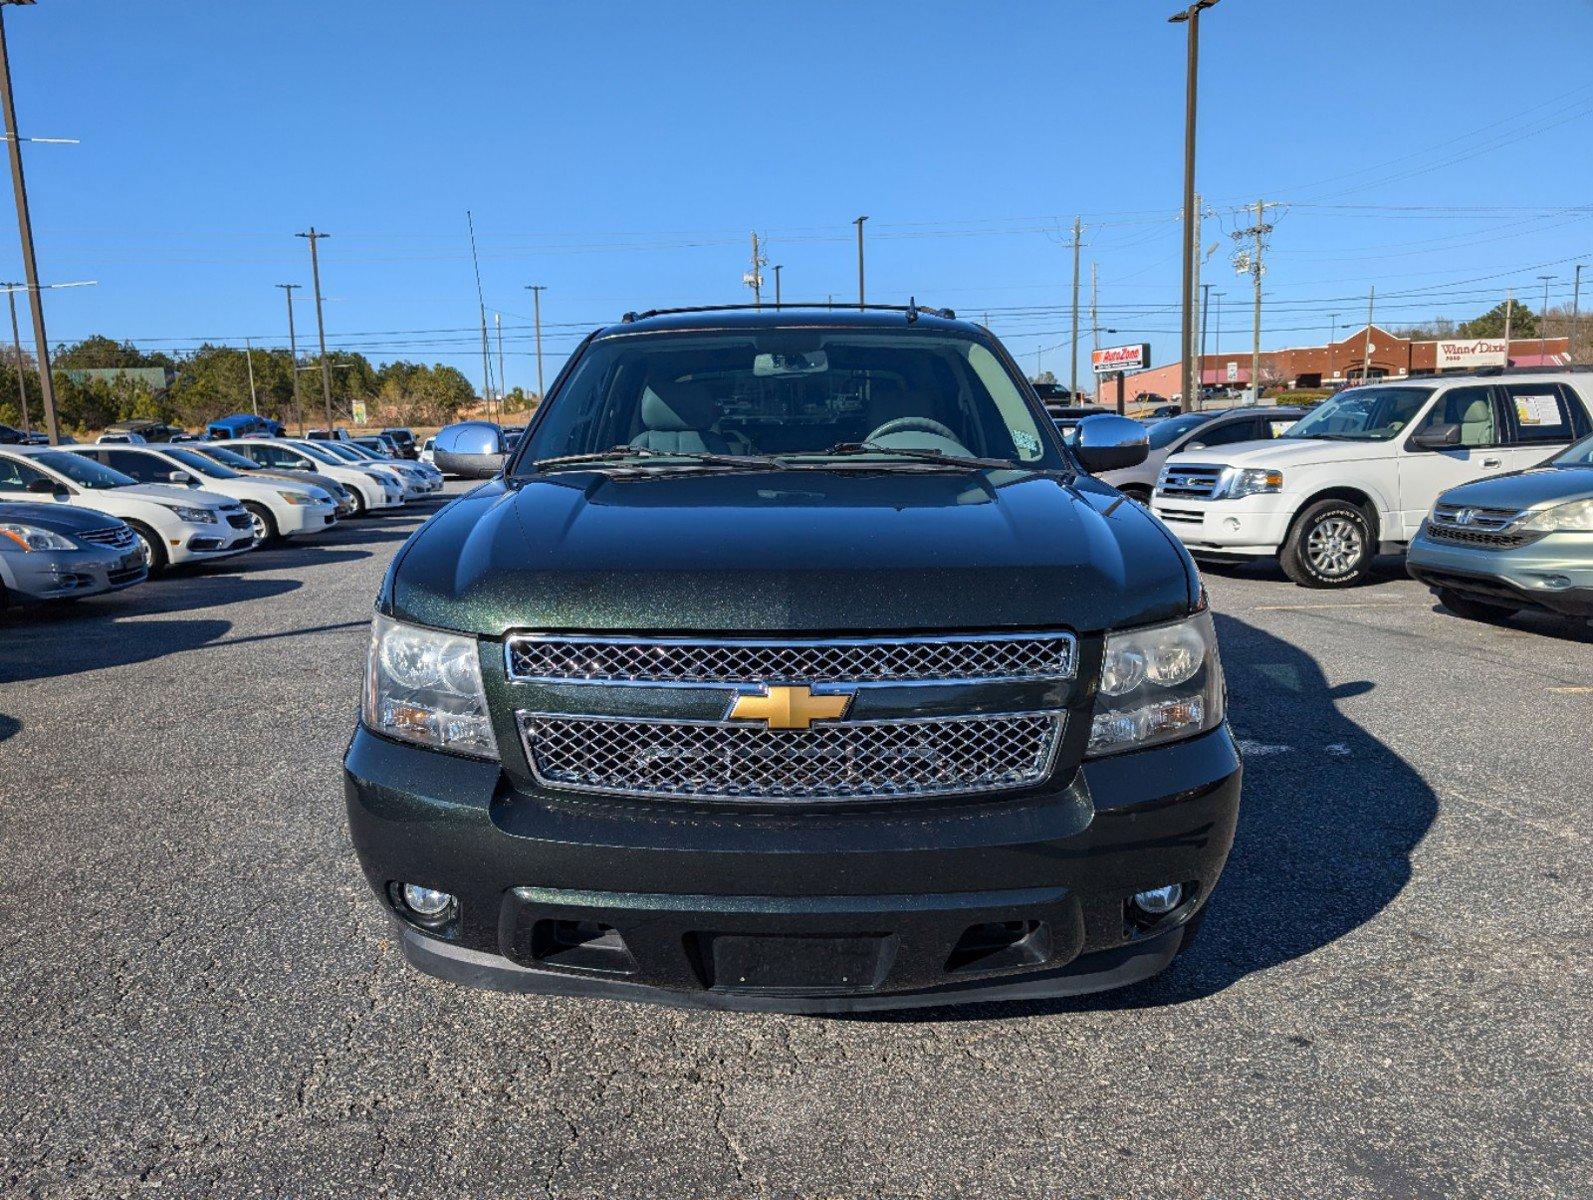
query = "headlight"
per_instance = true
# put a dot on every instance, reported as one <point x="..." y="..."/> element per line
<point x="424" y="686"/>
<point x="198" y="516"/>
<point x="1575" y="517"/>
<point x="1238" y="482"/>
<point x="1157" y="685"/>
<point x="27" y="538"/>
<point x="300" y="498"/>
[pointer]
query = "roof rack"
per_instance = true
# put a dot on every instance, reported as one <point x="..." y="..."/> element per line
<point x="912" y="309"/>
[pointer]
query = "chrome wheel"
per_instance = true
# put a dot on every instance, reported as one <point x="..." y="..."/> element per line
<point x="1334" y="547"/>
<point x="146" y="550"/>
<point x="258" y="522"/>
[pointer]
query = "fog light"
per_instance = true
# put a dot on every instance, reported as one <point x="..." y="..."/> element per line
<point x="426" y="903"/>
<point x="1159" y="901"/>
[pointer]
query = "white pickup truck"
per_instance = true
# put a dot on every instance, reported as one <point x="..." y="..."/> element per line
<point x="1358" y="475"/>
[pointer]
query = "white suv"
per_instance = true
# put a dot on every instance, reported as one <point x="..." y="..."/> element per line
<point x="278" y="509"/>
<point x="1357" y="476"/>
<point x="174" y="524"/>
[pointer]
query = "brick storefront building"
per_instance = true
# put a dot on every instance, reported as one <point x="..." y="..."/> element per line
<point x="1333" y="365"/>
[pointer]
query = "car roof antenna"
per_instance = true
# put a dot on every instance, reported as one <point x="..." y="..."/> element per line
<point x="912" y="309"/>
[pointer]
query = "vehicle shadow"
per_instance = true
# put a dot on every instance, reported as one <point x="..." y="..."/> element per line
<point x="9" y="727"/>
<point x="1387" y="568"/>
<point x="1329" y="818"/>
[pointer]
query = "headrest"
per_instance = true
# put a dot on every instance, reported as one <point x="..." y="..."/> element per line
<point x="682" y="406"/>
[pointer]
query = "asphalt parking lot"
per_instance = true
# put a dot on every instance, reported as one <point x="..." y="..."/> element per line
<point x="1391" y="996"/>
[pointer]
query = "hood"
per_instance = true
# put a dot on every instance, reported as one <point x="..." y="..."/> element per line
<point x="1281" y="453"/>
<point x="791" y="552"/>
<point x="167" y="493"/>
<point x="1525" y="489"/>
<point x="307" y="479"/>
<point x="57" y="518"/>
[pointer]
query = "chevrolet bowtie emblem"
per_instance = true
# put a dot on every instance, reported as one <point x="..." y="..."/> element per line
<point x="789" y="707"/>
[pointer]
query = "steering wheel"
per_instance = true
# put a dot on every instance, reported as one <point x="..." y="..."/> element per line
<point x="912" y="425"/>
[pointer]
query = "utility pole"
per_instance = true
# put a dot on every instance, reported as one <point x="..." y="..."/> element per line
<point x="1192" y="399"/>
<point x="1333" y="328"/>
<point x="754" y="278"/>
<point x="16" y="341"/>
<point x="486" y="357"/>
<point x="1510" y="312"/>
<point x="293" y="356"/>
<point x="1576" y="312"/>
<point x="1200" y="375"/>
<point x="777" y="269"/>
<point x="1095" y="321"/>
<point x="1073" y="347"/>
<point x="1251" y="262"/>
<point x="861" y="295"/>
<point x="1543" y="322"/>
<point x="503" y="380"/>
<point x="248" y="358"/>
<point x="1366" y="360"/>
<point x="536" y="290"/>
<point x="1190" y="19"/>
<point x="30" y="266"/>
<point x="314" y="236"/>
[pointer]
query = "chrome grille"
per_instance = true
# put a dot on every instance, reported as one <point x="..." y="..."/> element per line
<point x="844" y="760"/>
<point x="1466" y="516"/>
<point x="1188" y="481"/>
<point x="1468" y="525"/>
<point x="119" y="537"/>
<point x="585" y="659"/>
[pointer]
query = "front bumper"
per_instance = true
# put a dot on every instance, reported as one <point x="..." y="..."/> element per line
<point x="194" y="542"/>
<point x="800" y="911"/>
<point x="63" y="574"/>
<point x="1553" y="573"/>
<point x="306" y="518"/>
<point x="1253" y="526"/>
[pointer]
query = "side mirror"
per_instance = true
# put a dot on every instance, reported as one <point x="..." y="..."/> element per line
<point x="1105" y="442"/>
<point x="1437" y="437"/>
<point x="46" y="487"/>
<point x="182" y="477"/>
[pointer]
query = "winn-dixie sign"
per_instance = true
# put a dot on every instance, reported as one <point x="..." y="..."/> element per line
<point x="1112" y="359"/>
<point x="1484" y="352"/>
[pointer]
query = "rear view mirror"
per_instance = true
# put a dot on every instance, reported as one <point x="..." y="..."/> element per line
<point x="1437" y="437"/>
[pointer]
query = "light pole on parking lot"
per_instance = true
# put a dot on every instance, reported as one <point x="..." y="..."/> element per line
<point x="860" y="295"/>
<point x="30" y="266"/>
<point x="1190" y="19"/>
<point x="1543" y="321"/>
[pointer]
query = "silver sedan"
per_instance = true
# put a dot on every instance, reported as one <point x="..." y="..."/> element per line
<point x="56" y="552"/>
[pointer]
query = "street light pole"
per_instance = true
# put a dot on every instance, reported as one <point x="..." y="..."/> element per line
<point x="16" y="341"/>
<point x="1576" y="305"/>
<point x="1190" y="19"/>
<point x="320" y="320"/>
<point x="30" y="266"/>
<point x="860" y="294"/>
<point x="536" y="290"/>
<point x="777" y="269"/>
<point x="293" y="355"/>
<point x="1543" y="321"/>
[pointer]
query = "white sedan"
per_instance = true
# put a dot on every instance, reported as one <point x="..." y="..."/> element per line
<point x="372" y="489"/>
<point x="175" y="525"/>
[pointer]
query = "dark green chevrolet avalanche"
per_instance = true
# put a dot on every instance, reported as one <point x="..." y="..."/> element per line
<point x="794" y="663"/>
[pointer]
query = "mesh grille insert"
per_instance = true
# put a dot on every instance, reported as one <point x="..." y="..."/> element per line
<point x="843" y="760"/>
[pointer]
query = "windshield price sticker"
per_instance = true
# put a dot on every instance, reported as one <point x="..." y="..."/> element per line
<point x="1537" y="410"/>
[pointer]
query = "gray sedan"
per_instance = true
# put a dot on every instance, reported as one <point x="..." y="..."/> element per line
<point x="1525" y="540"/>
<point x="56" y="552"/>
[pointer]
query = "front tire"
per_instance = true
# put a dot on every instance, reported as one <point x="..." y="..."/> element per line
<point x="1475" y="610"/>
<point x="360" y="507"/>
<point x="153" y="549"/>
<point x="265" y="525"/>
<point x="1331" y="544"/>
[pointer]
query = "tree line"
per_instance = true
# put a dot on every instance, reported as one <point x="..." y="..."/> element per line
<point x="195" y="388"/>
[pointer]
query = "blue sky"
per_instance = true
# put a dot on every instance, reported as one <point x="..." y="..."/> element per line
<point x="620" y="155"/>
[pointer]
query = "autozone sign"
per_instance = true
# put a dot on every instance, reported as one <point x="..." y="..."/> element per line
<point x="1111" y="359"/>
<point x="1483" y="352"/>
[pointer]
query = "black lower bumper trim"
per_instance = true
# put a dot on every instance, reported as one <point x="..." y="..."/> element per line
<point x="1088" y="973"/>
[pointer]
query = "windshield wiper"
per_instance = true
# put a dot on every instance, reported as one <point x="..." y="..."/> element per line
<point x="913" y="454"/>
<point x="619" y="454"/>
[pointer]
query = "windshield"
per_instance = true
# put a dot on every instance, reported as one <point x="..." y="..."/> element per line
<point x="228" y="458"/>
<point x="792" y="392"/>
<point x="200" y="463"/>
<point x="1363" y="414"/>
<point x="1577" y="454"/>
<point x="361" y="453"/>
<point x="84" y="472"/>
<point x="320" y="454"/>
<point x="1165" y="432"/>
<point x="343" y="451"/>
